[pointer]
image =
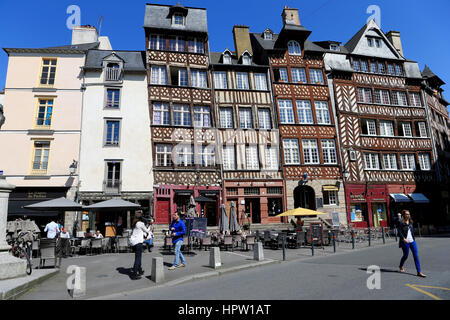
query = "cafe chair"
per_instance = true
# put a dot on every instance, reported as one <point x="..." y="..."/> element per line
<point x="267" y="238"/>
<point x="206" y="242"/>
<point x="122" y="244"/>
<point x="249" y="241"/>
<point x="106" y="244"/>
<point x="85" y="246"/>
<point x="227" y="242"/>
<point x="97" y="245"/>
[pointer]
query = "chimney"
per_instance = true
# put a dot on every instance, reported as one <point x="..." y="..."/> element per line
<point x="394" y="38"/>
<point x="241" y="35"/>
<point x="290" y="16"/>
<point x="84" y="34"/>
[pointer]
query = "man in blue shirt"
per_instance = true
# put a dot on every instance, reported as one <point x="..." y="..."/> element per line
<point x="178" y="229"/>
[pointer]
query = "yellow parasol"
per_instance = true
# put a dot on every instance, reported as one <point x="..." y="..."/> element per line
<point x="300" y="212"/>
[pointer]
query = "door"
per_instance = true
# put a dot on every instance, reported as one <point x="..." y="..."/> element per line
<point x="252" y="207"/>
<point x="162" y="214"/>
<point x="211" y="214"/>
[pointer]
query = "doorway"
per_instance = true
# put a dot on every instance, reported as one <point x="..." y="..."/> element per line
<point x="253" y="209"/>
<point x="304" y="197"/>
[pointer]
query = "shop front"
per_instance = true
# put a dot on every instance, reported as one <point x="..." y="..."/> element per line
<point x="409" y="197"/>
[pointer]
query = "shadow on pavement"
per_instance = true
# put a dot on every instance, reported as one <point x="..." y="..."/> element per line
<point x="391" y="271"/>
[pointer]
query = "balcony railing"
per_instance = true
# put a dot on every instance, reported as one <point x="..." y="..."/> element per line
<point x="112" y="186"/>
<point x="39" y="168"/>
<point x="113" y="74"/>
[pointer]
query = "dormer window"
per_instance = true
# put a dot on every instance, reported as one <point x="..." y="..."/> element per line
<point x="226" y="59"/>
<point x="374" y="42"/>
<point x="294" y="48"/>
<point x="113" y="71"/>
<point x="268" y="35"/>
<point x="246" y="59"/>
<point x="178" y="19"/>
<point x="334" y="47"/>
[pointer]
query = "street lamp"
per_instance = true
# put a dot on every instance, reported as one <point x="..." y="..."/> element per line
<point x="73" y="167"/>
<point x="346" y="174"/>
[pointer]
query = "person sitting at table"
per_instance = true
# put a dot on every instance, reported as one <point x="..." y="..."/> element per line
<point x="98" y="235"/>
<point x="88" y="233"/>
<point x="64" y="234"/>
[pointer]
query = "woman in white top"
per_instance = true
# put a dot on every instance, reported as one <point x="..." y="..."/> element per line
<point x="136" y="240"/>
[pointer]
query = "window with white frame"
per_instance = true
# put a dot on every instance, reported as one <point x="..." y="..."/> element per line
<point x="390" y="161"/>
<point x="406" y="128"/>
<point x="158" y="75"/>
<point x="226" y="117"/>
<point x="198" y="79"/>
<point x="41" y="152"/>
<point x="161" y="113"/>
<point x="299" y="75"/>
<point x="202" y="117"/>
<point x="316" y="76"/>
<point x="422" y="130"/>
<point x="291" y="151"/>
<point x="408" y="161"/>
<point x="424" y="161"/>
<point x="245" y="118"/>
<point x="177" y="44"/>
<point x="374" y="67"/>
<point x="179" y="77"/>
<point x="415" y="99"/>
<point x="370" y="42"/>
<point x="178" y="19"/>
<point x="369" y="127"/>
<point x="280" y="75"/>
<point x="398" y="70"/>
<point x="229" y="162"/>
<point x="371" y="161"/>
<point x="271" y="158"/>
<point x="260" y="81"/>
<point x="251" y="157"/>
<point x="207" y="156"/>
<point x="157" y="42"/>
<point x="322" y="112"/>
<point x="226" y="58"/>
<point x="386" y="128"/>
<point x="220" y="80"/>
<point x="286" y="111"/>
<point x="264" y="119"/>
<point x="182" y="115"/>
<point x="294" y="48"/>
<point x="364" y="66"/>
<point x="196" y="45"/>
<point x="112" y="136"/>
<point x="184" y="155"/>
<point x="268" y="35"/>
<point x="246" y="59"/>
<point x="381" y="68"/>
<point x="378" y="43"/>
<point x="382" y="96"/>
<point x="365" y="95"/>
<point x="163" y="155"/>
<point x="310" y="151"/>
<point x="356" y="65"/>
<point x="391" y="69"/>
<point x="304" y="112"/>
<point x="242" y="80"/>
<point x="329" y="151"/>
<point x="330" y="198"/>
<point x="399" y="98"/>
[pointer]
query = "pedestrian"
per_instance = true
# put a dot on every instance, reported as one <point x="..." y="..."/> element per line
<point x="149" y="239"/>
<point x="178" y="229"/>
<point x="52" y="229"/>
<point x="137" y="240"/>
<point x="408" y="241"/>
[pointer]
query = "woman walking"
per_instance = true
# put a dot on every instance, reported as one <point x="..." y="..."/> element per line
<point x="408" y="241"/>
<point x="137" y="240"/>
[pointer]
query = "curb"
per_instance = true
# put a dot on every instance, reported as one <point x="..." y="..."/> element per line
<point x="14" y="292"/>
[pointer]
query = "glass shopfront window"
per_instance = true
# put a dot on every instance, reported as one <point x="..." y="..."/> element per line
<point x="379" y="213"/>
<point x="275" y="206"/>
<point x="358" y="212"/>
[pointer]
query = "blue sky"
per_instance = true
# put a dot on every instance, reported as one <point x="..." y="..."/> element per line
<point x="424" y="25"/>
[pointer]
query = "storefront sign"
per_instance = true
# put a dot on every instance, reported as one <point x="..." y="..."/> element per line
<point x="357" y="197"/>
<point x="37" y="195"/>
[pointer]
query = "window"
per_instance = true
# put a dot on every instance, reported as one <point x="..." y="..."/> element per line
<point x="161" y="113"/>
<point x="40" y="158"/>
<point x="264" y="119"/>
<point x="399" y="98"/>
<point x="422" y="130"/>
<point x="271" y="158"/>
<point x="329" y="151"/>
<point x="322" y="112"/>
<point x="378" y="43"/>
<point x="202" y="117"/>
<point x="310" y="151"/>
<point x="374" y="67"/>
<point x="196" y="45"/>
<point x="391" y="69"/>
<point x="163" y="155"/>
<point x="112" y="132"/>
<point x="246" y="60"/>
<point x="159" y="75"/>
<point x="226" y="117"/>
<point x="112" y="183"/>
<point x="157" y="42"/>
<point x="112" y="98"/>
<point x="251" y="158"/>
<point x="48" y="72"/>
<point x="251" y="191"/>
<point x="299" y="75"/>
<point x="291" y="151"/>
<point x="207" y="156"/>
<point x="356" y="65"/>
<point x="260" y="81"/>
<point x="181" y="115"/>
<point x="386" y="128"/>
<point x="365" y="95"/>
<point x="242" y="80"/>
<point x="220" y="80"/>
<point x="382" y="96"/>
<point x="226" y="59"/>
<point x="370" y="42"/>
<point x="178" y="19"/>
<point x="45" y="112"/>
<point x="371" y="161"/>
<point x="406" y="129"/>
<point x="408" y="162"/>
<point x="424" y="161"/>
<point x="268" y="35"/>
<point x="390" y="161"/>
<point x="286" y="111"/>
<point x="398" y="70"/>
<point x="245" y="117"/>
<point x="179" y="77"/>
<point x="368" y="127"/>
<point x="184" y="155"/>
<point x="415" y="99"/>
<point x="177" y="44"/>
<point x="198" y="79"/>
<point x="280" y="75"/>
<point x="330" y="198"/>
<point x="294" y="48"/>
<point x="304" y="111"/>
<point x="316" y="76"/>
<point x="381" y="68"/>
<point x="334" y="47"/>
<point x="229" y="162"/>
<point x="364" y="66"/>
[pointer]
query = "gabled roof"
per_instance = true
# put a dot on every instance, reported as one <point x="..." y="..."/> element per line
<point x="428" y="74"/>
<point x="67" y="49"/>
<point x="216" y="59"/>
<point x="133" y="60"/>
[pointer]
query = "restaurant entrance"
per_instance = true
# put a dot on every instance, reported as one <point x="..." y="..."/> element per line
<point x="253" y="208"/>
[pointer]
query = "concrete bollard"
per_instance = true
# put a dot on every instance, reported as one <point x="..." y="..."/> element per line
<point x="258" y="252"/>
<point x="214" y="258"/>
<point x="157" y="270"/>
<point x="78" y="289"/>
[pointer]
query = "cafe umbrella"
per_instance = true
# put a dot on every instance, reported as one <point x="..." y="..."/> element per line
<point x="300" y="212"/>
<point x="191" y="210"/>
<point x="223" y="221"/>
<point x="60" y="205"/>
<point x="234" y="225"/>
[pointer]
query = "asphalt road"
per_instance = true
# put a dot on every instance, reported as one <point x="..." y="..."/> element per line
<point x="333" y="277"/>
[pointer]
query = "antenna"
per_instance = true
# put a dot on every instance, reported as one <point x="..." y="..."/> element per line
<point x="100" y="25"/>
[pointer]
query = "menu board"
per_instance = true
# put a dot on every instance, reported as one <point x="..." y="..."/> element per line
<point x="195" y="227"/>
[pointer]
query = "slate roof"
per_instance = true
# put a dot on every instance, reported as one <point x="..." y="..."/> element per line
<point x="428" y="74"/>
<point x="215" y="59"/>
<point x="133" y="60"/>
<point x="67" y="49"/>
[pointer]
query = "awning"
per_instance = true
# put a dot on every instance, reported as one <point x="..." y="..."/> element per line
<point x="330" y="188"/>
<point x="113" y="204"/>
<point x="419" y="198"/>
<point x="203" y="199"/>
<point x="184" y="192"/>
<point x="400" y="197"/>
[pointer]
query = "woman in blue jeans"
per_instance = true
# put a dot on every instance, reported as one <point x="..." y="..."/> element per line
<point x="178" y="229"/>
<point x="408" y="241"/>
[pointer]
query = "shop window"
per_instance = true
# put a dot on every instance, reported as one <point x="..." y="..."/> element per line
<point x="274" y="190"/>
<point x="232" y="191"/>
<point x="251" y="191"/>
<point x="358" y="212"/>
<point x="379" y="213"/>
<point x="275" y="206"/>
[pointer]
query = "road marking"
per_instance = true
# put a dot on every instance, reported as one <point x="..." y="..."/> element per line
<point x="417" y="287"/>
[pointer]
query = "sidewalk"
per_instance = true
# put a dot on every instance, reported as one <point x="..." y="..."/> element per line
<point x="107" y="275"/>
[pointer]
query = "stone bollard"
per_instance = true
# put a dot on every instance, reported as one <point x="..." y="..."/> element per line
<point x="78" y="288"/>
<point x="214" y="258"/>
<point x="258" y="253"/>
<point x="157" y="270"/>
